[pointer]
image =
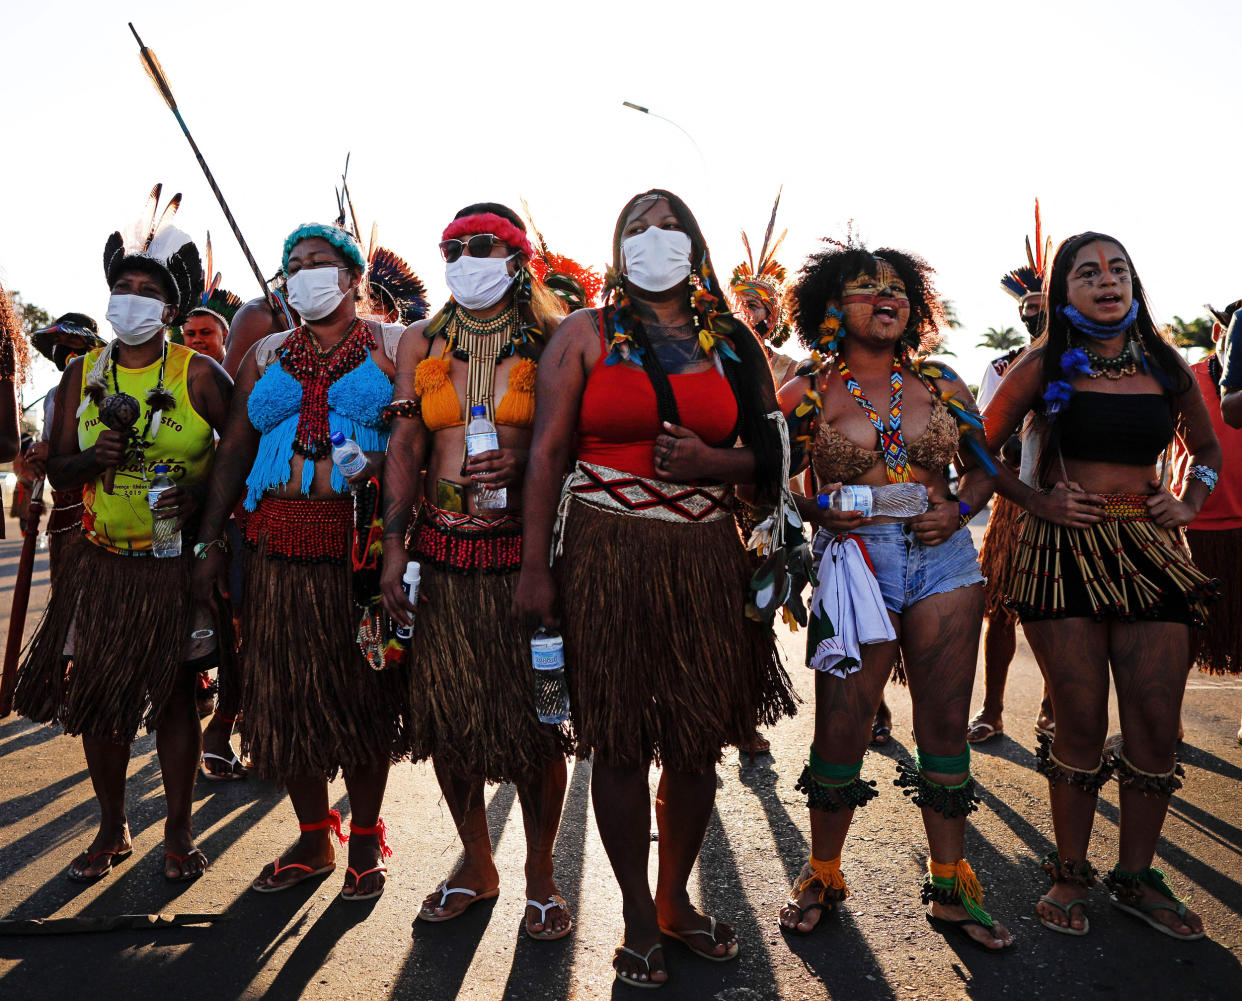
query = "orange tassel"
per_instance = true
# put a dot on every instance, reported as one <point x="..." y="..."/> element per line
<point x="517" y="406"/>
<point x="825" y="873"/>
<point x="432" y="385"/>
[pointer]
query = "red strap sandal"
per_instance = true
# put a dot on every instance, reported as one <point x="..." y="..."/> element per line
<point x="385" y="852"/>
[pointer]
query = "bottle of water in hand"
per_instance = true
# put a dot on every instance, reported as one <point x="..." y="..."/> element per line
<point x="547" y="655"/>
<point x="481" y="437"/>
<point x="347" y="456"/>
<point x="893" y="500"/>
<point x="165" y="537"/>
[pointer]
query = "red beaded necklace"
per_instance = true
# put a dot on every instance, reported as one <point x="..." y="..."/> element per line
<point x="317" y="370"/>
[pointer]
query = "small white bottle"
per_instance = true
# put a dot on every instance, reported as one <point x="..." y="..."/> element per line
<point x="481" y="437"/>
<point x="347" y="456"/>
<point x="409" y="584"/>
<point x="547" y="656"/>
<point x="893" y="500"/>
<point x="165" y="538"/>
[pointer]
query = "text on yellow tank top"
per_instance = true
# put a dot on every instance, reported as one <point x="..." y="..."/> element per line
<point x="121" y="521"/>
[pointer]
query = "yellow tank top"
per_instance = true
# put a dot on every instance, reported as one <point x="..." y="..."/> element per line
<point x="121" y="521"/>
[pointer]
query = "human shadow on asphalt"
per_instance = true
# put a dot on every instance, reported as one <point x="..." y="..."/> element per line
<point x="837" y="954"/>
<point x="1197" y="756"/>
<point x="38" y="733"/>
<point x="545" y="968"/>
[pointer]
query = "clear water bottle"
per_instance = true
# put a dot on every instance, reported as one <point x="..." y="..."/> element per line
<point x="347" y="456"/>
<point x="893" y="500"/>
<point x="547" y="657"/>
<point x="409" y="584"/>
<point x="165" y="538"/>
<point x="481" y="437"/>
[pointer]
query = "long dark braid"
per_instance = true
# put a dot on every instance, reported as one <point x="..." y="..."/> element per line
<point x="749" y="377"/>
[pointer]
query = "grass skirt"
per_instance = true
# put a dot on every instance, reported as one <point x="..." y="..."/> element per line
<point x="311" y="703"/>
<point x="1125" y="568"/>
<point x="472" y="695"/>
<point x="662" y="663"/>
<point x="996" y="556"/>
<point x="1219" y="554"/>
<point x="128" y="633"/>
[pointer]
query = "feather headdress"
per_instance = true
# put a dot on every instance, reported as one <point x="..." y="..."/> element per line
<point x="216" y="301"/>
<point x="764" y="279"/>
<point x="155" y="245"/>
<point x="1022" y="281"/>
<point x="577" y="285"/>
<point x="393" y="287"/>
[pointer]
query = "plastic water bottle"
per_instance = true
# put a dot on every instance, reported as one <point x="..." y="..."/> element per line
<point x="547" y="656"/>
<point x="165" y="539"/>
<point x="347" y="456"/>
<point x="409" y="584"/>
<point x="893" y="500"/>
<point x="481" y="437"/>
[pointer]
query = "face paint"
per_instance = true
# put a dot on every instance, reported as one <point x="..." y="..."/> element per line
<point x="1100" y="284"/>
<point x="876" y="303"/>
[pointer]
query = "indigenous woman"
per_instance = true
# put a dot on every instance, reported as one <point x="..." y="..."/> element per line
<point x="1103" y="577"/>
<point x="471" y="701"/>
<point x="663" y="665"/>
<point x="867" y="412"/>
<point x="119" y="611"/>
<point x="312" y="703"/>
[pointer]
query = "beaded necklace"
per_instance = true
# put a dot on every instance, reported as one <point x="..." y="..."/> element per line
<point x="1127" y="363"/>
<point x="316" y="370"/>
<point x="896" y="461"/>
<point x="158" y="400"/>
<point x="474" y="341"/>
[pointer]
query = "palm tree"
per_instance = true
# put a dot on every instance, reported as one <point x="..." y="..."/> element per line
<point x="1196" y="333"/>
<point x="949" y="312"/>
<point x="1001" y="339"/>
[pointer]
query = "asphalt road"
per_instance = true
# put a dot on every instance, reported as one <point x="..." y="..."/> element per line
<point x="308" y="943"/>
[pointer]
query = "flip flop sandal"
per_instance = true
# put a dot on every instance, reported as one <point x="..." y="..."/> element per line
<point x="1066" y="929"/>
<point x="946" y="925"/>
<point x="350" y="871"/>
<point x="880" y="733"/>
<point x="646" y="961"/>
<point x="710" y="931"/>
<point x="556" y="900"/>
<point x="1145" y="913"/>
<point x="277" y="869"/>
<point x="992" y="731"/>
<point x="823" y="906"/>
<point x="181" y="860"/>
<point x="445" y="892"/>
<point x="1046" y="731"/>
<point x="113" y="857"/>
<point x="233" y="763"/>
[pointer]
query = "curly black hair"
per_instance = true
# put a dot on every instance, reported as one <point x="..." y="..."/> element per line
<point x="822" y="277"/>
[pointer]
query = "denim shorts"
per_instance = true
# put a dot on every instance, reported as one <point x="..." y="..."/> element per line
<point x="908" y="571"/>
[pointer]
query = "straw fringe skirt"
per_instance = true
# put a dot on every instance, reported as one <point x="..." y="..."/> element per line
<point x="472" y="696"/>
<point x="1219" y="554"/>
<point x="312" y="704"/>
<point x="996" y="556"/>
<point x="128" y="615"/>
<point x="662" y="663"/>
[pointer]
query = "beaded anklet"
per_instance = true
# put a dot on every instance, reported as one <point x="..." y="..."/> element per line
<point x="1055" y="770"/>
<point x="948" y="800"/>
<point x="831" y="787"/>
<point x="1063" y="870"/>
<point x="955" y="884"/>
<point x="1150" y="783"/>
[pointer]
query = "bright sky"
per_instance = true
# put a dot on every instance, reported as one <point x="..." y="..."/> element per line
<point x="932" y="126"/>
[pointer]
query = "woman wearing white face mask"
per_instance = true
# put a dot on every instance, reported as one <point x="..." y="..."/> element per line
<point x="312" y="704"/>
<point x="471" y="706"/>
<point x="112" y="597"/>
<point x="663" y="665"/>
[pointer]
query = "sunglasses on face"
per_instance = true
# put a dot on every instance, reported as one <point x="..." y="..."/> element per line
<point x="479" y="245"/>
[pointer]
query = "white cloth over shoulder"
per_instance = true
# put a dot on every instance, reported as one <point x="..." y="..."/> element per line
<point x="848" y="604"/>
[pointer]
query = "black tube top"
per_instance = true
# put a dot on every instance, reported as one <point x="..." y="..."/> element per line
<point x="1127" y="428"/>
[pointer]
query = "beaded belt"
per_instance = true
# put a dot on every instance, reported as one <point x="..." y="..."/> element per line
<point x="464" y="543"/>
<point x="1125" y="507"/>
<point x="625" y="493"/>
<point x="302" y="531"/>
<point x="66" y="513"/>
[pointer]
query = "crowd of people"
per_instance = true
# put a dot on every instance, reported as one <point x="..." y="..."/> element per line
<point x="656" y="460"/>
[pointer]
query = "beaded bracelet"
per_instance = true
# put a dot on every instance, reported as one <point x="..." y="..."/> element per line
<point x="403" y="408"/>
<point x="1205" y="475"/>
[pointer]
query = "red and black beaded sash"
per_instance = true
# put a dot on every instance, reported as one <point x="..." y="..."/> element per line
<point x="316" y="372"/>
<point x="462" y="543"/>
<point x="638" y="495"/>
<point x="302" y="531"/>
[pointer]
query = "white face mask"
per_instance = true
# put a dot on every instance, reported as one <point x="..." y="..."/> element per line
<point x="315" y="292"/>
<point x="135" y="318"/>
<point x="656" y="259"/>
<point x="478" y="282"/>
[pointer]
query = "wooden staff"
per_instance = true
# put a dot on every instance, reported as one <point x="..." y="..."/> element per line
<point x="21" y="599"/>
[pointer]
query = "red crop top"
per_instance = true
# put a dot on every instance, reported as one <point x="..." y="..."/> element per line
<point x="618" y="421"/>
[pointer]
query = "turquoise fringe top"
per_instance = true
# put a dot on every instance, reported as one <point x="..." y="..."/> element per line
<point x="355" y="402"/>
